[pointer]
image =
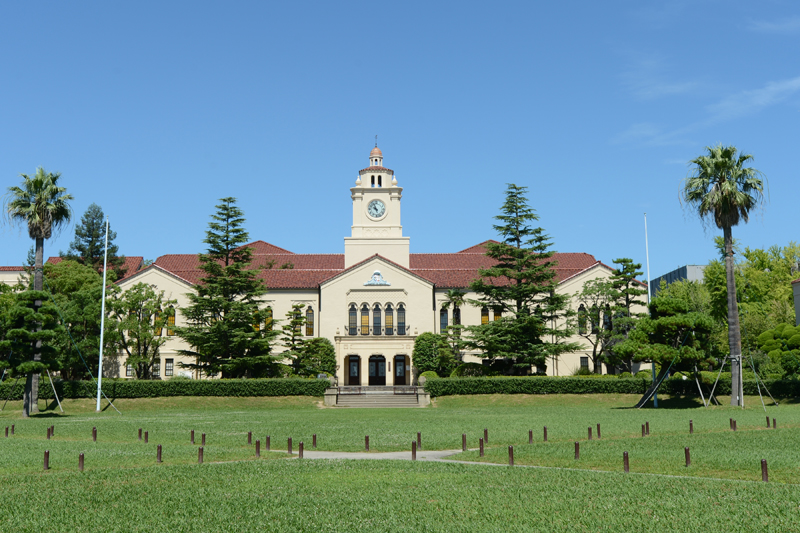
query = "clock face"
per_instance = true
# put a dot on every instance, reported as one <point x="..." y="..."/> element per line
<point x="376" y="209"/>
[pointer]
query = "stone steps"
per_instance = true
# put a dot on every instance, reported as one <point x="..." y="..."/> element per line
<point x="377" y="400"/>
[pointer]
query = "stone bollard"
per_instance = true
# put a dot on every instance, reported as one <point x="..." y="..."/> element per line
<point x="158" y="454"/>
<point x="691" y="427"/>
<point x="413" y="450"/>
<point x="590" y="432"/>
<point x="510" y="456"/>
<point x="94" y="434"/>
<point x="577" y="450"/>
<point x="625" y="465"/>
<point x="249" y="438"/>
<point x="366" y="443"/>
<point x="545" y="434"/>
<point x="80" y="462"/>
<point x="47" y="459"/>
<point x="258" y="448"/>
<point x="192" y="437"/>
<point x="647" y="427"/>
<point x="764" y="473"/>
<point x="463" y="442"/>
<point x="530" y="436"/>
<point x="289" y="445"/>
<point x="203" y="439"/>
<point x="300" y="450"/>
<point x="200" y="455"/>
<point x="688" y="458"/>
<point x="267" y="444"/>
<point x="486" y="435"/>
<point x="598" y="431"/>
<point x="480" y="443"/>
<point x="314" y="441"/>
<point x="146" y="437"/>
<point x="140" y="433"/>
<point x="419" y="440"/>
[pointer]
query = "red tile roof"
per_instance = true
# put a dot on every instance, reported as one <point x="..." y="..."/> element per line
<point x="11" y="269"/>
<point x="455" y="270"/>
<point x="132" y="264"/>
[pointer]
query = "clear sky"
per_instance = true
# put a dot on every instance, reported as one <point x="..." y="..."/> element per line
<point x="154" y="110"/>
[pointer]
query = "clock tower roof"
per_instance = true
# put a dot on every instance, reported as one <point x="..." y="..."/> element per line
<point x="376" y="152"/>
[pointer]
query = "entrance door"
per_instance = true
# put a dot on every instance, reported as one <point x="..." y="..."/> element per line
<point x="400" y="370"/>
<point x="354" y="372"/>
<point x="377" y="370"/>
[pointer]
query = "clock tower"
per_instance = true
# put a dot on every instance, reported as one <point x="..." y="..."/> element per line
<point x="376" y="225"/>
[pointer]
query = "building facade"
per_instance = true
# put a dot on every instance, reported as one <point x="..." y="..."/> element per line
<point x="373" y="300"/>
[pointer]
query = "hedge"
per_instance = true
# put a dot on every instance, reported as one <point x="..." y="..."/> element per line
<point x="576" y="385"/>
<point x="131" y="388"/>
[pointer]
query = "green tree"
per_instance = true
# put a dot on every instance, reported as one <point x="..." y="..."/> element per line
<point x="455" y="298"/>
<point x="42" y="205"/>
<point x="723" y="189"/>
<point x="521" y="285"/>
<point x="78" y="292"/>
<point x="318" y="355"/>
<point x="223" y="311"/>
<point x="628" y="297"/>
<point x="29" y="327"/>
<point x="88" y="247"/>
<point x="432" y="352"/>
<point x="782" y="345"/>
<point x="594" y="319"/>
<point x="140" y="315"/>
<point x="293" y="339"/>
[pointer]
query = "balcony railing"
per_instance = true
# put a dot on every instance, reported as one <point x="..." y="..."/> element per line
<point x="399" y="331"/>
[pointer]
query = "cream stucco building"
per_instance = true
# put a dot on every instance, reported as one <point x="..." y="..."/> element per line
<point x="373" y="300"/>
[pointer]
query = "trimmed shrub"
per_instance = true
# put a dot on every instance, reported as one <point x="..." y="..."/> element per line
<point x="132" y="388"/>
<point x="625" y="375"/>
<point x="429" y="374"/>
<point x="645" y="374"/>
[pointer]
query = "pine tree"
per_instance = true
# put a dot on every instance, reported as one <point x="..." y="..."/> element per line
<point x="522" y="285"/>
<point x="293" y="336"/>
<point x="225" y="325"/>
<point x="627" y="294"/>
<point x="88" y="247"/>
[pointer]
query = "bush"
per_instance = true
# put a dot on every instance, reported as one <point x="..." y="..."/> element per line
<point x="471" y="370"/>
<point x="625" y="375"/>
<point x="132" y="388"/>
<point x="644" y="374"/>
<point x="574" y="385"/>
<point x="429" y="374"/>
<point x="424" y="353"/>
<point x="583" y="371"/>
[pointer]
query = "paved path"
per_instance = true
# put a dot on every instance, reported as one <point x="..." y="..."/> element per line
<point x="422" y="455"/>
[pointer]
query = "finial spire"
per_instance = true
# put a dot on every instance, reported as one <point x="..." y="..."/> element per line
<point x="376" y="141"/>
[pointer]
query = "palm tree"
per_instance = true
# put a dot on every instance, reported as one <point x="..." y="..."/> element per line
<point x="721" y="188"/>
<point x="43" y="206"/>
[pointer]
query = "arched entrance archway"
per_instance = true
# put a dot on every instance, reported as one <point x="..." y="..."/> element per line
<point x="377" y="370"/>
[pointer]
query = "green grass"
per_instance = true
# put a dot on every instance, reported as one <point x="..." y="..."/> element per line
<point x="306" y="495"/>
<point x="123" y="489"/>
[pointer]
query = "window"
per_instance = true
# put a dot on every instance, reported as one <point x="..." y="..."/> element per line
<point x="595" y="318"/>
<point x="607" y="318"/>
<point x="443" y="320"/>
<point x="156" y="325"/>
<point x="584" y="362"/>
<point x="373" y="181"/>
<point x="498" y="313"/>
<point x="171" y="322"/>
<point x="169" y="365"/>
<point x="256" y="324"/>
<point x="401" y="320"/>
<point x="582" y="320"/>
<point x="364" y="320"/>
<point x="389" y="319"/>
<point x="484" y="315"/>
<point x="379" y="182"/>
<point x="268" y="319"/>
<point x="157" y="369"/>
<point x="297" y="317"/>
<point x="457" y="319"/>
<point x="129" y="371"/>
<point x="353" y="326"/>
<point x="376" y="320"/>
<point x="309" y="322"/>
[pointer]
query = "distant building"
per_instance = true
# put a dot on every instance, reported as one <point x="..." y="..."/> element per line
<point x="689" y="272"/>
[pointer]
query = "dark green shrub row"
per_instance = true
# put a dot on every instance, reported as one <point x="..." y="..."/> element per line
<point x="131" y="388"/>
<point x="784" y="388"/>
<point x="534" y="385"/>
<point x="576" y="385"/>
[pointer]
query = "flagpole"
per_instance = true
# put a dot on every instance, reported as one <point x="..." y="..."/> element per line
<point x="647" y="257"/>
<point x="102" y="323"/>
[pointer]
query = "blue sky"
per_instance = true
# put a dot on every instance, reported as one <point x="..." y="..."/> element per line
<point x="154" y="110"/>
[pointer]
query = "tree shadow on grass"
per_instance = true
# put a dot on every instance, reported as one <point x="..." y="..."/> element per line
<point x="673" y="402"/>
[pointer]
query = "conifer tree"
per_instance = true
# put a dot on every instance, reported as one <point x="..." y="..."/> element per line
<point x="88" y="247"/>
<point x="293" y="335"/>
<point x="224" y="321"/>
<point x="522" y="286"/>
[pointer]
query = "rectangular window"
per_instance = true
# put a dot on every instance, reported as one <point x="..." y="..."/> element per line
<point x="168" y="367"/>
<point x="584" y="362"/>
<point x="157" y="369"/>
<point x="498" y="313"/>
<point x="309" y="323"/>
<point x="364" y="322"/>
<point x="170" y="326"/>
<point x="129" y="371"/>
<point x="157" y="330"/>
<point x="389" y="322"/>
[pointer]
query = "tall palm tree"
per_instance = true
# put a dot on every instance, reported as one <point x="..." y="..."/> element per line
<point x="720" y="187"/>
<point x="43" y="206"/>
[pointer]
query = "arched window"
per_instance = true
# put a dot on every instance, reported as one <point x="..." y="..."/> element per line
<point x="443" y="320"/>
<point x="373" y="181"/>
<point x="353" y="325"/>
<point x="401" y="320"/>
<point x="156" y="326"/>
<point x="595" y="318"/>
<point x="389" y="319"/>
<point x="379" y="181"/>
<point x="582" y="320"/>
<point x="607" y="318"/>
<point x="309" y="322"/>
<point x="268" y="319"/>
<point x="376" y="320"/>
<point x="297" y="315"/>
<point x="171" y="322"/>
<point x="364" y="320"/>
<point x="456" y="315"/>
<point x="484" y="315"/>
<point x="256" y="325"/>
<point x="498" y="313"/>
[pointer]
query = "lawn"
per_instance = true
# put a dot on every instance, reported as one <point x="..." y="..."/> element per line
<point x="124" y="489"/>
